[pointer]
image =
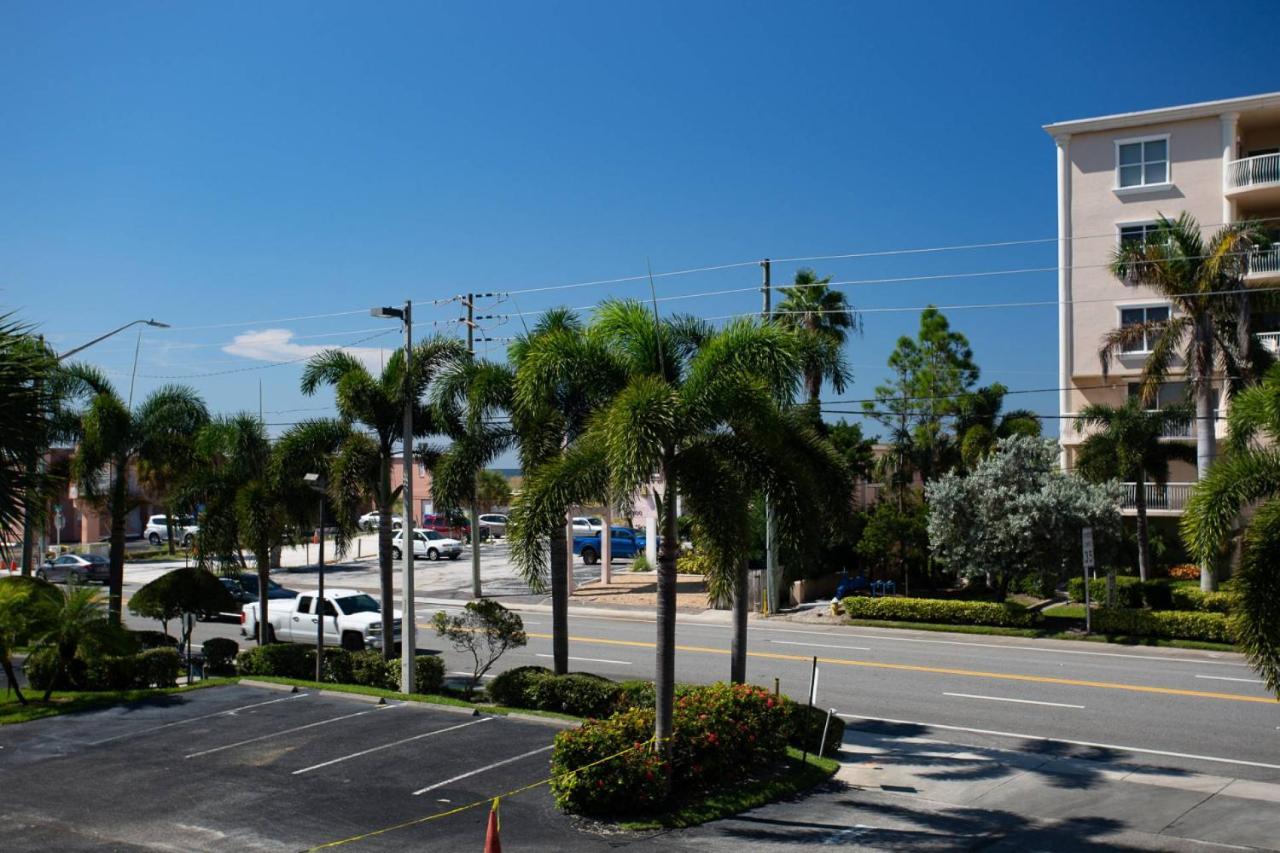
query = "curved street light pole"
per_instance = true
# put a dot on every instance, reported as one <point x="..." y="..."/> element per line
<point x="64" y="356"/>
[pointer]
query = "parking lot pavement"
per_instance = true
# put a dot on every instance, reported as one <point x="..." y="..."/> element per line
<point x="248" y="768"/>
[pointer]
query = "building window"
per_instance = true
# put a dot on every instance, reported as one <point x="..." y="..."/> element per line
<point x="1142" y="162"/>
<point x="1145" y="314"/>
<point x="1138" y="233"/>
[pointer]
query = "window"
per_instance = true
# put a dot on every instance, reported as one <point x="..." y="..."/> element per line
<point x="1146" y="314"/>
<point x="304" y="604"/>
<point x="1170" y="393"/>
<point x="1140" y="233"/>
<point x="1142" y="162"/>
<point x="361" y="603"/>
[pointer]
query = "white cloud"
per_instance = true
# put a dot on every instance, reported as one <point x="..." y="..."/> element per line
<point x="278" y="345"/>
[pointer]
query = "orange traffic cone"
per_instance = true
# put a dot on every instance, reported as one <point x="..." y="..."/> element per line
<point x="492" y="843"/>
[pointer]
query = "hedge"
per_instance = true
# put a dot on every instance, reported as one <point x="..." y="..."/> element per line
<point x="1205" y="602"/>
<point x="366" y="668"/>
<point x="220" y="655"/>
<point x="151" y="668"/>
<point x="1154" y="595"/>
<point x="510" y="687"/>
<point x="1170" y="624"/>
<point x="942" y="611"/>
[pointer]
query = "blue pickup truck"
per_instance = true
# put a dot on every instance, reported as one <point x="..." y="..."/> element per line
<point x="625" y="544"/>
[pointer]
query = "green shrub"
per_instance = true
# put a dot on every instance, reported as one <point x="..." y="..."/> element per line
<point x="1128" y="591"/>
<point x="509" y="688"/>
<point x="159" y="668"/>
<point x="694" y="563"/>
<point x="367" y="668"/>
<point x="220" y="655"/>
<point x="804" y="729"/>
<point x="1205" y="602"/>
<point x="284" y="660"/>
<point x="1039" y="584"/>
<point x="941" y="611"/>
<point x="632" y="783"/>
<point x="640" y="563"/>
<point x="580" y="694"/>
<point x="1170" y="624"/>
<point x="428" y="673"/>
<point x="113" y="672"/>
<point x="1157" y="595"/>
<point x="154" y="640"/>
<point x="635" y="693"/>
<point x="41" y="668"/>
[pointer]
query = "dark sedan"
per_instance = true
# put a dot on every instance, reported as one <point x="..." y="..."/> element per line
<point x="76" y="568"/>
<point x="243" y="587"/>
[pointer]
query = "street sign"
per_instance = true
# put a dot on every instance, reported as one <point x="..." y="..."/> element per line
<point x="1086" y="538"/>
<point x="1086" y="545"/>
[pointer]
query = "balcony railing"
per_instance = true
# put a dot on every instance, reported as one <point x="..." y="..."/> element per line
<point x="1263" y="170"/>
<point x="1264" y="263"/>
<point x="1169" y="497"/>
<point x="1270" y="341"/>
<point x="1174" y="429"/>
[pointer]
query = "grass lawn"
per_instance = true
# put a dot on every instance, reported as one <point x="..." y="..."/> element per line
<point x="795" y="779"/>
<point x="71" y="701"/>
<point x="1067" y="611"/>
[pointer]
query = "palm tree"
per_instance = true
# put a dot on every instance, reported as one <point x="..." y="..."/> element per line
<point x="1208" y="326"/>
<point x="76" y="624"/>
<point x="1128" y="447"/>
<point x="1248" y="476"/>
<point x="675" y="388"/>
<point x="24" y="603"/>
<point x="980" y="424"/>
<point x="825" y="318"/>
<point x="377" y="404"/>
<point x="112" y="438"/>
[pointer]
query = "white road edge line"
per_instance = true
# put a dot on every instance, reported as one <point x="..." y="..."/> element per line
<point x="1007" y="699"/>
<point x="228" y="712"/>
<point x="820" y="645"/>
<point x="589" y="660"/>
<point x="1227" y="678"/>
<point x="482" y="770"/>
<point x="287" y="731"/>
<point x="1136" y="749"/>
<point x="389" y="745"/>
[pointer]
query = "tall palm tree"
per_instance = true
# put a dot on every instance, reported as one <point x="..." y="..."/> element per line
<point x="377" y="404"/>
<point x="1248" y="476"/>
<point x="825" y="319"/>
<point x="1127" y="446"/>
<point x="980" y="423"/>
<point x="674" y="386"/>
<point x="113" y="438"/>
<point x="1209" y="323"/>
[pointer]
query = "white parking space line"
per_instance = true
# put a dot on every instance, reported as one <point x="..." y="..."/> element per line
<point x="227" y="713"/>
<point x="590" y="660"/>
<point x="288" y="731"/>
<point x="1007" y="699"/>
<point x="1135" y="749"/>
<point x="389" y="745"/>
<point x="1227" y="678"/>
<point x="484" y="769"/>
<point x="821" y="645"/>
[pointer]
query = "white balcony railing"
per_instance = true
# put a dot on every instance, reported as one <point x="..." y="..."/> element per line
<point x="1262" y="170"/>
<point x="1169" y="497"/>
<point x="1185" y="429"/>
<point x="1270" y="341"/>
<point x="1264" y="263"/>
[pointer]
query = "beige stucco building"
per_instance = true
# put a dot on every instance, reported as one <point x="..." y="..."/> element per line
<point x="1218" y="161"/>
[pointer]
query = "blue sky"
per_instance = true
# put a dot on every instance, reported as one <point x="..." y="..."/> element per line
<point x="226" y="166"/>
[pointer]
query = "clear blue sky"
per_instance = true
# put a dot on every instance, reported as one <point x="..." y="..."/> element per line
<point x="221" y="166"/>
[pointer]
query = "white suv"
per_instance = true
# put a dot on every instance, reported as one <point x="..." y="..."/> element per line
<point x="184" y="530"/>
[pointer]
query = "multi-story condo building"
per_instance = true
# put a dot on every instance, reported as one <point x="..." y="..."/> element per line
<point x="1218" y="161"/>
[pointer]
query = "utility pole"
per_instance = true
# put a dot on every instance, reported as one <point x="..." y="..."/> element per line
<point x="408" y="618"/>
<point x="770" y="524"/>
<point x="28" y="517"/>
<point x="473" y="515"/>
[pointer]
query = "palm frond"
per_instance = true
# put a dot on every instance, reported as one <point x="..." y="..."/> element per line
<point x="1216" y="500"/>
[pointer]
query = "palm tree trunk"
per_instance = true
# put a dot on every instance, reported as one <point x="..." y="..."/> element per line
<point x="168" y="530"/>
<point x="559" y="568"/>
<point x="13" y="680"/>
<point x="115" y="572"/>
<point x="665" y="668"/>
<point x="1144" y="538"/>
<point x="1206" y="449"/>
<point x="738" y="649"/>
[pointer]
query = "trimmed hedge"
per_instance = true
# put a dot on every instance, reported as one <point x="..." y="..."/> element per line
<point x="1170" y="624"/>
<point x="510" y="687"/>
<point x="220" y="655"/>
<point x="1129" y="592"/>
<point x="151" y="668"/>
<point x="284" y="660"/>
<point x="365" y="668"/>
<point x="941" y="611"/>
<point x="1132" y="593"/>
<point x="579" y="694"/>
<point x="1205" y="602"/>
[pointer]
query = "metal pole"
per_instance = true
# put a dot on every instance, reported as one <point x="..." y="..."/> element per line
<point x="770" y="531"/>
<point x="319" y="605"/>
<point x="813" y="682"/>
<point x="408" y="624"/>
<point x="822" y="744"/>
<point x="473" y="515"/>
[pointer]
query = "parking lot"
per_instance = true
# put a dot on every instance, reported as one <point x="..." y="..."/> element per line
<point x="251" y="768"/>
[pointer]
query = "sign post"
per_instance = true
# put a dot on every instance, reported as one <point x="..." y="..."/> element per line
<point x="1086" y="544"/>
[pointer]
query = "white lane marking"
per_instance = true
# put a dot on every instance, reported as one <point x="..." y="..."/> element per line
<point x="1137" y="749"/>
<point x="287" y="731"/>
<point x="1226" y="678"/>
<point x="469" y="674"/>
<point x="228" y="712"/>
<point x="493" y="766"/>
<point x="820" y="645"/>
<point x="389" y="745"/>
<point x="590" y="660"/>
<point x="1007" y="699"/>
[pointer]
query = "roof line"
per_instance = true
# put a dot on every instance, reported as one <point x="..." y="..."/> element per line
<point x="1177" y="113"/>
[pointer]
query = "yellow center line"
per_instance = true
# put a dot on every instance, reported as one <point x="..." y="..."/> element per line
<point x="939" y="670"/>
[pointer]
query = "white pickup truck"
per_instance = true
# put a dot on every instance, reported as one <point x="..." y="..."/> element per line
<point x="352" y="620"/>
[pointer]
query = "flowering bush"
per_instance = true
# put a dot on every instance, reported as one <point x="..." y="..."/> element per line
<point x="632" y="783"/>
<point x="1185" y="572"/>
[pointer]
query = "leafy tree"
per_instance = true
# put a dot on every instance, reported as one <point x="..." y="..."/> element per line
<point x="492" y="489"/>
<point x="486" y="630"/>
<point x="1209" y="324"/>
<point x="1247" y="475"/>
<point x="112" y="437"/>
<point x="980" y="424"/>
<point x="1015" y="513"/>
<point x="857" y="450"/>
<point x="378" y="404"/>
<point x="25" y="369"/>
<point x="175" y="594"/>
<point x="823" y="318"/>
<point x="25" y="604"/>
<point x="1128" y="446"/>
<point x="896" y="537"/>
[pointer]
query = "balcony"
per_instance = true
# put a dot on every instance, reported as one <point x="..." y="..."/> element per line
<point x="1171" y="431"/>
<point x="1255" y="176"/>
<point x="1264" y="265"/>
<point x="1162" y="499"/>
<point x="1270" y="341"/>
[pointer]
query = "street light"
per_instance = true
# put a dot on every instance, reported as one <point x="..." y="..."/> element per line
<point x="101" y="338"/>
<point x="408" y="625"/>
<point x="317" y="482"/>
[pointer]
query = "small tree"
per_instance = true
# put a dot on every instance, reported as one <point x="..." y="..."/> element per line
<point x="25" y="605"/>
<point x="1015" y="513"/>
<point x="75" y="624"/>
<point x="182" y="591"/>
<point x="492" y="489"/>
<point x="486" y="630"/>
<point x="895" y="538"/>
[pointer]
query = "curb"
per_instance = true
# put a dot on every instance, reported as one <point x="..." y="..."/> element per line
<point x="270" y="685"/>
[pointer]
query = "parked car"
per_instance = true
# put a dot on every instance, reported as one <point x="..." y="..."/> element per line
<point x="76" y="568"/>
<point x="495" y="523"/>
<point x="453" y="525"/>
<point x="369" y="521"/>
<point x="352" y="620"/>
<point x="624" y="544"/>
<point x="426" y="543"/>
<point x="243" y="587"/>
<point x="185" y="530"/>
<point x="584" y="525"/>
